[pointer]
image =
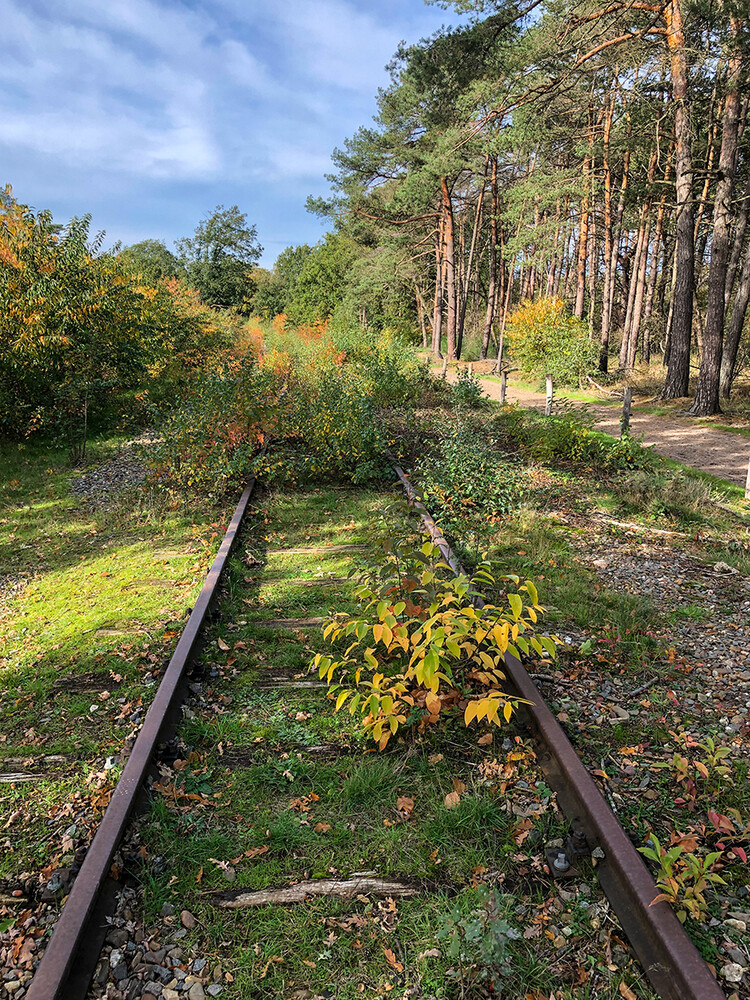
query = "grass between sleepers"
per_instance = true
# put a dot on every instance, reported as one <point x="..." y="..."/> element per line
<point x="293" y="791"/>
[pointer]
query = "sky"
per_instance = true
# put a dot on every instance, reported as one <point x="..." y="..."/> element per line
<point x="147" y="114"/>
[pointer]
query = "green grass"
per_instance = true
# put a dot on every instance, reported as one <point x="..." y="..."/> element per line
<point x="93" y="601"/>
<point x="281" y="771"/>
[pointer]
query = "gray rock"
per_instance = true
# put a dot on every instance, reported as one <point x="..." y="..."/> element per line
<point x="117" y="937"/>
<point x="214" y="990"/>
<point x="167" y="910"/>
<point x="196" y="992"/>
<point x="120" y="971"/>
<point x="188" y="920"/>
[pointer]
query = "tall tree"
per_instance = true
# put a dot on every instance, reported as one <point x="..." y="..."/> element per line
<point x="220" y="256"/>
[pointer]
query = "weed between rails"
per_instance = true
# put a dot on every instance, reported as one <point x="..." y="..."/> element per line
<point x="292" y="791"/>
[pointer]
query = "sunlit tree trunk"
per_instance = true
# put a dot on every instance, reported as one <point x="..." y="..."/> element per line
<point x="678" y="369"/>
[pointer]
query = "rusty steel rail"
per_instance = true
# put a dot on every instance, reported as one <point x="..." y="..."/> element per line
<point x="61" y="963"/>
<point x="670" y="959"/>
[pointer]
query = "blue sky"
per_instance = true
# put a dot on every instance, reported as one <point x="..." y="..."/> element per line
<point x="149" y="113"/>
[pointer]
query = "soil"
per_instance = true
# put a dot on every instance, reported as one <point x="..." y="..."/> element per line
<point x="720" y="453"/>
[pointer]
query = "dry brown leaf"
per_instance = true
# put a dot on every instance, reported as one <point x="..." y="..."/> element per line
<point x="225" y="649"/>
<point x="405" y="804"/>
<point x="434" y="758"/>
<point x="430" y="953"/>
<point x="322" y="827"/>
<point x="452" y="799"/>
<point x="432" y="703"/>
<point x="458" y="786"/>
<point x="626" y="993"/>
<point x="253" y="852"/>
<point x="392" y="960"/>
<point x="485" y="740"/>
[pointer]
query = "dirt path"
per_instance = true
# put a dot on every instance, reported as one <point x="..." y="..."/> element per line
<point x="720" y="453"/>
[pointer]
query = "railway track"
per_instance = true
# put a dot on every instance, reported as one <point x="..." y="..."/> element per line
<point x="673" y="966"/>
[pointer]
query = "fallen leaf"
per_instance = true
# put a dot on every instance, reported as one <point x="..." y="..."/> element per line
<point x="626" y="993"/>
<point x="458" y="786"/>
<point x="483" y="741"/>
<point x="322" y="827"/>
<point x="225" y="649"/>
<point x="452" y="800"/>
<point x="430" y="953"/>
<point x="405" y="804"/>
<point x="434" y="758"/>
<point x="253" y="852"/>
<point x="392" y="960"/>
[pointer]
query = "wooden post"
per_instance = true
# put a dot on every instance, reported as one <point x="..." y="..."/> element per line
<point x="625" y="418"/>
<point x="470" y="369"/>
<point x="747" y="484"/>
<point x="445" y="366"/>
<point x="548" y="407"/>
<point x="503" y="387"/>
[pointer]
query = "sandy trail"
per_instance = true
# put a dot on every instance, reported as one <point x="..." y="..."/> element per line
<point x="721" y="453"/>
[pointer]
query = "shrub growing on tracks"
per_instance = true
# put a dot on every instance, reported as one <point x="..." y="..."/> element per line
<point x="544" y="337"/>
<point x="420" y="648"/>
<point x="466" y="478"/>
<point x="210" y="442"/>
<point x="329" y="421"/>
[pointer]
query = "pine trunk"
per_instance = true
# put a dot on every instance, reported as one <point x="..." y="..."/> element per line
<point x="706" y="402"/>
<point x="678" y="371"/>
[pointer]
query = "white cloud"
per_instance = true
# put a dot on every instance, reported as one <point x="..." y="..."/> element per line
<point x="166" y="107"/>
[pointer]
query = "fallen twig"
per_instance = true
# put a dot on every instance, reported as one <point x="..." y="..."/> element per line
<point x="298" y="893"/>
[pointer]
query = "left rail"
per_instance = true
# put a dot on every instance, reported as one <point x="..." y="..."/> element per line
<point x="63" y="972"/>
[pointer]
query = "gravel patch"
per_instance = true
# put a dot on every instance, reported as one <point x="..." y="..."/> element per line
<point x="100" y="484"/>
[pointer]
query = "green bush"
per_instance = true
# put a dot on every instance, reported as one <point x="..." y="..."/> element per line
<point x="329" y="422"/>
<point x="568" y="435"/>
<point x="209" y="444"/>
<point x="544" y="338"/>
<point x="465" y="478"/>
<point x="468" y="391"/>
<point x="675" y="494"/>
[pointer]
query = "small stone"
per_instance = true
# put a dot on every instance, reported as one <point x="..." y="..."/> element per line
<point x="188" y="920"/>
<point x="737" y="957"/>
<point x="12" y="987"/>
<point x="167" y="910"/>
<point x="117" y="937"/>
<point x="732" y="972"/>
<point x="214" y="990"/>
<point x="199" y="964"/>
<point x="120" y="971"/>
<point x="559" y="942"/>
<point x="722" y="567"/>
<point x="196" y="992"/>
<point x="168" y="994"/>
<point x="739" y="925"/>
<point x="152" y="990"/>
<point x="180" y="934"/>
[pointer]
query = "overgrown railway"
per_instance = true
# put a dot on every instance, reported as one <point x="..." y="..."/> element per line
<point x="382" y="812"/>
